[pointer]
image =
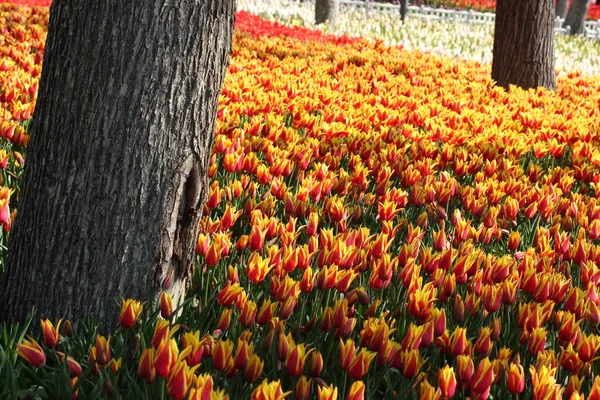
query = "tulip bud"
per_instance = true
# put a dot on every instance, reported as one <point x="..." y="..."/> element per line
<point x="166" y="305"/>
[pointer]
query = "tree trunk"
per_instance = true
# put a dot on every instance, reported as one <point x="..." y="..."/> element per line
<point x="524" y="44"/>
<point x="403" y="9"/>
<point x="327" y="11"/>
<point x="575" y="18"/>
<point x="561" y="8"/>
<point x="116" y="170"/>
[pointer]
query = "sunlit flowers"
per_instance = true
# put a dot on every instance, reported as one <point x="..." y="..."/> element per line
<point x="130" y="312"/>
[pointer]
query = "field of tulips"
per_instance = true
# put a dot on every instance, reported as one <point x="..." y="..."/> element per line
<point x="489" y="5"/>
<point x="381" y="223"/>
<point x="445" y="38"/>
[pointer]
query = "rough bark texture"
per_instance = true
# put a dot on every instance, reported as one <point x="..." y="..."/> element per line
<point x="327" y="11"/>
<point x="116" y="168"/>
<point x="576" y="16"/>
<point x="524" y="44"/>
<point x="561" y="8"/>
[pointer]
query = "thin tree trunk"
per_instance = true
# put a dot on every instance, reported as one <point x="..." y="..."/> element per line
<point x="116" y="169"/>
<point x="327" y="11"/>
<point x="524" y="44"/>
<point x="561" y="8"/>
<point x="403" y="9"/>
<point x="575" y="18"/>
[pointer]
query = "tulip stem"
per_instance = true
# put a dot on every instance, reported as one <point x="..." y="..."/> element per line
<point x="162" y="389"/>
<point x="345" y="384"/>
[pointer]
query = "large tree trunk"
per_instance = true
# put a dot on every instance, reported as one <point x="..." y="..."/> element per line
<point x="576" y="16"/>
<point x="561" y="8"/>
<point x="327" y="11"/>
<point x="116" y="170"/>
<point x="524" y="44"/>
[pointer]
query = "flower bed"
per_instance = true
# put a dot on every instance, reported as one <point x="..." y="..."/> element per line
<point x="380" y="221"/>
<point x="490" y="5"/>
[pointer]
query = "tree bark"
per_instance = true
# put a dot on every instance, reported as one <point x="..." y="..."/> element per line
<point x="523" y="52"/>
<point x="116" y="170"/>
<point x="561" y="8"/>
<point x="403" y="9"/>
<point x="575" y="18"/>
<point x="327" y="11"/>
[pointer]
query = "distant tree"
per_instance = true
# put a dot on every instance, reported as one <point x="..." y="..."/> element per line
<point x="403" y="9"/>
<point x="327" y="11"/>
<point x="575" y="18"/>
<point x="561" y="8"/>
<point x="523" y="53"/>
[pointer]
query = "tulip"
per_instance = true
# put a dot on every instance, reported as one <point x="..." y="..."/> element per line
<point x="165" y="357"/>
<point x="464" y="367"/>
<point x="483" y="377"/>
<point x="248" y="314"/>
<point x="161" y="331"/>
<point x="203" y="387"/>
<point x="515" y="378"/>
<point x="229" y="294"/>
<point x="224" y="319"/>
<point x="74" y="367"/>
<point x="302" y="388"/>
<point x="146" y="369"/>
<point x="357" y="391"/>
<point x="360" y="363"/>
<point x="51" y="335"/>
<point x="316" y="364"/>
<point x="102" y="349"/>
<point x="296" y="359"/>
<point x="243" y="351"/>
<point x="222" y="354"/>
<point x="411" y="363"/>
<point x="254" y="368"/>
<point x="180" y="380"/>
<point x="327" y="393"/>
<point x="130" y="312"/>
<point x="346" y="353"/>
<point x="266" y="312"/>
<point x="31" y="352"/>
<point x="428" y="392"/>
<point x="195" y="345"/>
<point x="446" y="381"/>
<point x="269" y="391"/>
<point x="166" y="305"/>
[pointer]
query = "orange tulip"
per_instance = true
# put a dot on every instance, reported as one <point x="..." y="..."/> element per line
<point x="302" y="388"/>
<point x="446" y="381"/>
<point x="515" y="378"/>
